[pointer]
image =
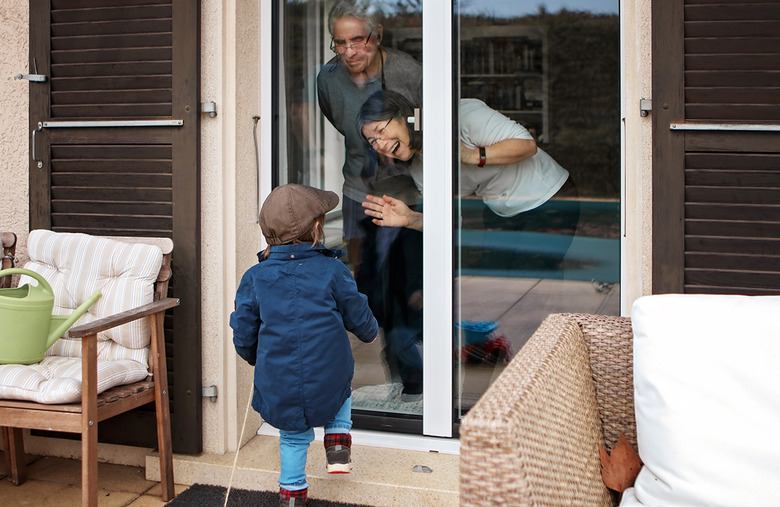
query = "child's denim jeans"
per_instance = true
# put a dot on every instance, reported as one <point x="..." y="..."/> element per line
<point x="293" y="446"/>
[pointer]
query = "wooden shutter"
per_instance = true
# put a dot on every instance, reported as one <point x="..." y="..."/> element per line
<point x="116" y="144"/>
<point x="716" y="147"/>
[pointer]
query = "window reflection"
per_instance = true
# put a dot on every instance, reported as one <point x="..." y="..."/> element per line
<point x="336" y="54"/>
<point x="553" y="69"/>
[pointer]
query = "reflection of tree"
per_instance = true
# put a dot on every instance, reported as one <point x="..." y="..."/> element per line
<point x="584" y="78"/>
<point x="300" y="42"/>
<point x="391" y="8"/>
<point x="583" y="69"/>
<point x="408" y="6"/>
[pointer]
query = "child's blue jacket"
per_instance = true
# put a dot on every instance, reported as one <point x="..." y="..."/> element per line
<point x="292" y="314"/>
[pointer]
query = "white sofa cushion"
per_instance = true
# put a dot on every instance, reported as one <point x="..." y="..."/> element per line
<point x="707" y="397"/>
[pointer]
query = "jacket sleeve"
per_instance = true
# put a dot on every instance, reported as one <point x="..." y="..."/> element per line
<point x="245" y="321"/>
<point x="353" y="306"/>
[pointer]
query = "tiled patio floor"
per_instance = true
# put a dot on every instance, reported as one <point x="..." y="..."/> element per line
<point x="55" y="482"/>
<point x="382" y="477"/>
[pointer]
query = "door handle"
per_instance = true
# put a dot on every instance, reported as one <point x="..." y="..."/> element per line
<point x="34" y="157"/>
<point x="415" y="120"/>
<point x="98" y="123"/>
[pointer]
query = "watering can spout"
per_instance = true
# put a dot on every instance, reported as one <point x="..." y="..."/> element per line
<point x="61" y="323"/>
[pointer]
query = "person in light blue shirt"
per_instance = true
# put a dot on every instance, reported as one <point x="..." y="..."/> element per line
<point x="500" y="162"/>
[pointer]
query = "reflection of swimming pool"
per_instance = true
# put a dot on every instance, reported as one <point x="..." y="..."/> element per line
<point x="497" y="250"/>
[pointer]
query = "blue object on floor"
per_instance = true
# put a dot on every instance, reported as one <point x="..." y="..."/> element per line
<point x="475" y="331"/>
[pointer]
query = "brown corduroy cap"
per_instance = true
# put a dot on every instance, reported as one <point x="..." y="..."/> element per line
<point x="290" y="210"/>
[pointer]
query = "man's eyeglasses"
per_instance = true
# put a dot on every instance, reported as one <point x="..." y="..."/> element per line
<point x="340" y="46"/>
<point x="373" y="140"/>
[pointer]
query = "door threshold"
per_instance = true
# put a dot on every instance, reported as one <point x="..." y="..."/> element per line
<point x="386" y="439"/>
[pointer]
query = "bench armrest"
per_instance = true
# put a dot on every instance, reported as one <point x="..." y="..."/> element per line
<point x="533" y="437"/>
<point x="118" y="319"/>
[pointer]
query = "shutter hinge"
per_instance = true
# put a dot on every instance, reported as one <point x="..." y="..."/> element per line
<point x="645" y="106"/>
<point x="34" y="77"/>
<point x="209" y="392"/>
<point x="209" y="108"/>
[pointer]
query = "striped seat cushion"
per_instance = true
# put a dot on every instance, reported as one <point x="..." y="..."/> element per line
<point x="58" y="379"/>
<point x="77" y="265"/>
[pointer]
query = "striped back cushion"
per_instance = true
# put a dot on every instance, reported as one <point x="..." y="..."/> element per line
<point x="77" y="265"/>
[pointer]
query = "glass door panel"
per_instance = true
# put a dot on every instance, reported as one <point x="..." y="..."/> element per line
<point x="538" y="225"/>
<point x="502" y="245"/>
<point x="331" y="57"/>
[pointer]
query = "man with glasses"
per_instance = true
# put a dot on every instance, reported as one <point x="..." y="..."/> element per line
<point x="386" y="262"/>
<point x="359" y="68"/>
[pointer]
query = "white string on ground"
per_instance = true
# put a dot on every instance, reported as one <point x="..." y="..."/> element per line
<point x="238" y="447"/>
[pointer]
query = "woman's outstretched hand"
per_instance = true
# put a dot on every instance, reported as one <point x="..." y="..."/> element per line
<point x="390" y="212"/>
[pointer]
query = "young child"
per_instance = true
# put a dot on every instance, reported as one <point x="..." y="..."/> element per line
<point x="292" y="309"/>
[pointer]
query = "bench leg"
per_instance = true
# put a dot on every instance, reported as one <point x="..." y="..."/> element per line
<point x="89" y="422"/>
<point x="89" y="468"/>
<point x="162" y="408"/>
<point x="164" y="446"/>
<point x="13" y="443"/>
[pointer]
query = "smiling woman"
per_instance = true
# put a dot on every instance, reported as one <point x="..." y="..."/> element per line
<point x="500" y="160"/>
<point x="382" y="121"/>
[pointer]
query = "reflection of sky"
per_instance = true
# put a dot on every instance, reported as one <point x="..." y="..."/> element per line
<point x="510" y="8"/>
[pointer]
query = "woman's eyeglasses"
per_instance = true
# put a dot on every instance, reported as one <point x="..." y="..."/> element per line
<point x="341" y="46"/>
<point x="373" y="140"/>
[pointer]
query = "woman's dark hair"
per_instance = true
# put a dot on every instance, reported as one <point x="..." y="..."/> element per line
<point x="384" y="105"/>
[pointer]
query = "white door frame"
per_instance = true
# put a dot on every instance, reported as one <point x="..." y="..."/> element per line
<point x="437" y="121"/>
<point x="437" y="222"/>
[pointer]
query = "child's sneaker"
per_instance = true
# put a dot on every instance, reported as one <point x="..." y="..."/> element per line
<point x="289" y="498"/>
<point x="338" y="452"/>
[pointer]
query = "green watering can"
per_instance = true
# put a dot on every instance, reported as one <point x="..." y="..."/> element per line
<point x="27" y="327"/>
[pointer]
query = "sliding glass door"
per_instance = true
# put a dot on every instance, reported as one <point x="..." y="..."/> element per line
<point x="476" y="151"/>
<point x="537" y="227"/>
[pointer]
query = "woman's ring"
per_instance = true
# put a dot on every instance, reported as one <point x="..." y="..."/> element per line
<point x="381" y="216"/>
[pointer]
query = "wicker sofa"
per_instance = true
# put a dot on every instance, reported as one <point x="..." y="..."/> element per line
<point x="533" y="437"/>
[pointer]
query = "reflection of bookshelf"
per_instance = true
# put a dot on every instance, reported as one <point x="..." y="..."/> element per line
<point x="504" y="66"/>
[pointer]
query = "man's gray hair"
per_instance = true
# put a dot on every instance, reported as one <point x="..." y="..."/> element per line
<point x="358" y="9"/>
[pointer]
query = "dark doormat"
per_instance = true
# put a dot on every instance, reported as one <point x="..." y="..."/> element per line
<point x="201" y="495"/>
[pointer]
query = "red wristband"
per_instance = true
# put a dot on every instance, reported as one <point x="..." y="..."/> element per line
<point x="482" y="157"/>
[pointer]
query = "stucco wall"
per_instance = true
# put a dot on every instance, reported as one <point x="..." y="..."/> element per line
<point x="231" y="237"/>
<point x="213" y="236"/>
<point x="247" y="230"/>
<point x="14" y="141"/>
<point x="636" y="247"/>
